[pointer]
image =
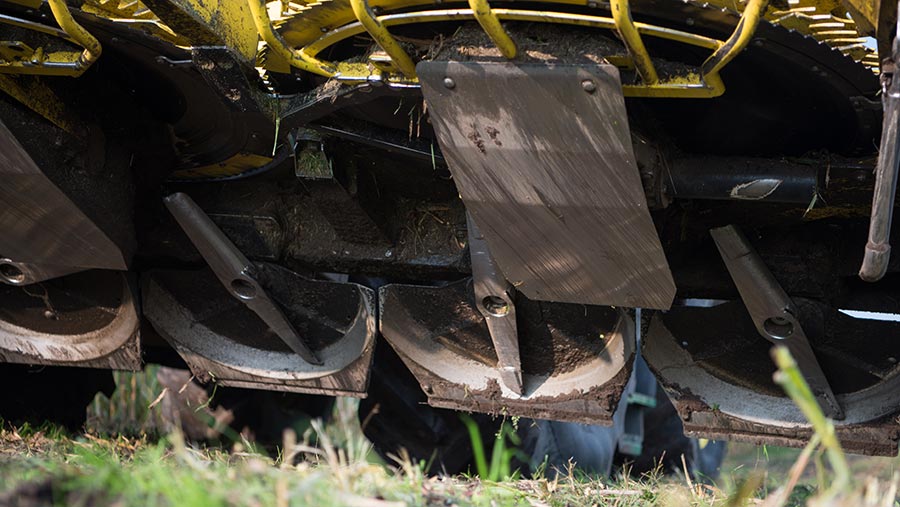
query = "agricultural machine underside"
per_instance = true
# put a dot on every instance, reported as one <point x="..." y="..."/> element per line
<point x="519" y="209"/>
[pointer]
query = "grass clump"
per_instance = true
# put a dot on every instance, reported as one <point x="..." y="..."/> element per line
<point x="332" y="464"/>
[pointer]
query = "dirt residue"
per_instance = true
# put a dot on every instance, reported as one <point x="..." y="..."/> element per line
<point x="450" y="314"/>
<point x="492" y="132"/>
<point x="535" y="42"/>
<point x="557" y="337"/>
<point x="476" y="139"/>
<point x="543" y="43"/>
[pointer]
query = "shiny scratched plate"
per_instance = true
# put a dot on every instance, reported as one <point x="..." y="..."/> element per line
<point x="542" y="157"/>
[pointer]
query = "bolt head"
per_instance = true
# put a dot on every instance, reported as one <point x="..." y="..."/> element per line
<point x="588" y="86"/>
<point x="449" y="83"/>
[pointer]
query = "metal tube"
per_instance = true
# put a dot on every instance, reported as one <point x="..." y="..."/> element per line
<point x="632" y="38"/>
<point x="743" y="179"/>
<point x="739" y="39"/>
<point x="878" y="248"/>
<point x="92" y="47"/>
<point x="278" y="45"/>
<point x="383" y="38"/>
<point x="491" y="25"/>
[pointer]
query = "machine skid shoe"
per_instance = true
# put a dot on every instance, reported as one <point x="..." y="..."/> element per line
<point x="224" y="341"/>
<point x="87" y="319"/>
<point x="576" y="359"/>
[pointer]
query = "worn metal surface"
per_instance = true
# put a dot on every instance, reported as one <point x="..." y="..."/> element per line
<point x="743" y="179"/>
<point x="875" y="18"/>
<point x="549" y="174"/>
<point x="42" y="226"/>
<point x="222" y="69"/>
<point x="717" y="406"/>
<point x="88" y="319"/>
<point x="494" y="298"/>
<point x="211" y="23"/>
<point x="576" y="360"/>
<point x="773" y="312"/>
<point x="17" y="57"/>
<point x="34" y="94"/>
<point x="224" y="341"/>
<point x="878" y="248"/>
<point x="234" y="271"/>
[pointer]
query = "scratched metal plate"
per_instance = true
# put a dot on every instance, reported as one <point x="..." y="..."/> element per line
<point x="547" y="170"/>
<point x="40" y="224"/>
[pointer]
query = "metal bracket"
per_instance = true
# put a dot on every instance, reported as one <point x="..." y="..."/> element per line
<point x="878" y="248"/>
<point x="234" y="270"/>
<point x="494" y="300"/>
<point x="772" y="310"/>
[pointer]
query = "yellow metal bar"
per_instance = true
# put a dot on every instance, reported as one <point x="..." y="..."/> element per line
<point x="688" y="86"/>
<point x="37" y="27"/>
<point x="406" y="18"/>
<point x="277" y="44"/>
<point x="91" y="45"/>
<point x="35" y="95"/>
<point x="739" y="39"/>
<point x="691" y="86"/>
<point x="632" y="38"/>
<point x="383" y="38"/>
<point x="491" y="25"/>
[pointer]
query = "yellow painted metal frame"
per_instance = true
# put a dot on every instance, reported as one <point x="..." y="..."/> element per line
<point x="490" y="23"/>
<point x="739" y="39"/>
<point x="702" y="84"/>
<point x="57" y="63"/>
<point x="276" y="44"/>
<point x="37" y="96"/>
<point x="631" y="37"/>
<point x="383" y="38"/>
<point x="688" y="86"/>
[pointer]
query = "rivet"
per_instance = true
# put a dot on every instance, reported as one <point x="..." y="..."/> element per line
<point x="449" y="83"/>
<point x="588" y="86"/>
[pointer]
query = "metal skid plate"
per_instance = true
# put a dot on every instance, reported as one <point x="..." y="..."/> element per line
<point x="542" y="157"/>
<point x="576" y="359"/>
<point x="45" y="235"/>
<point x="224" y="341"/>
<point x="718" y="401"/>
<point x="88" y="319"/>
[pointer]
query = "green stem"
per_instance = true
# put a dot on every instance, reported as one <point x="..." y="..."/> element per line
<point x="793" y="383"/>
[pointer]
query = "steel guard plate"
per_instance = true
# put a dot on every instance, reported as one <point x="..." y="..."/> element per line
<point x="542" y="157"/>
